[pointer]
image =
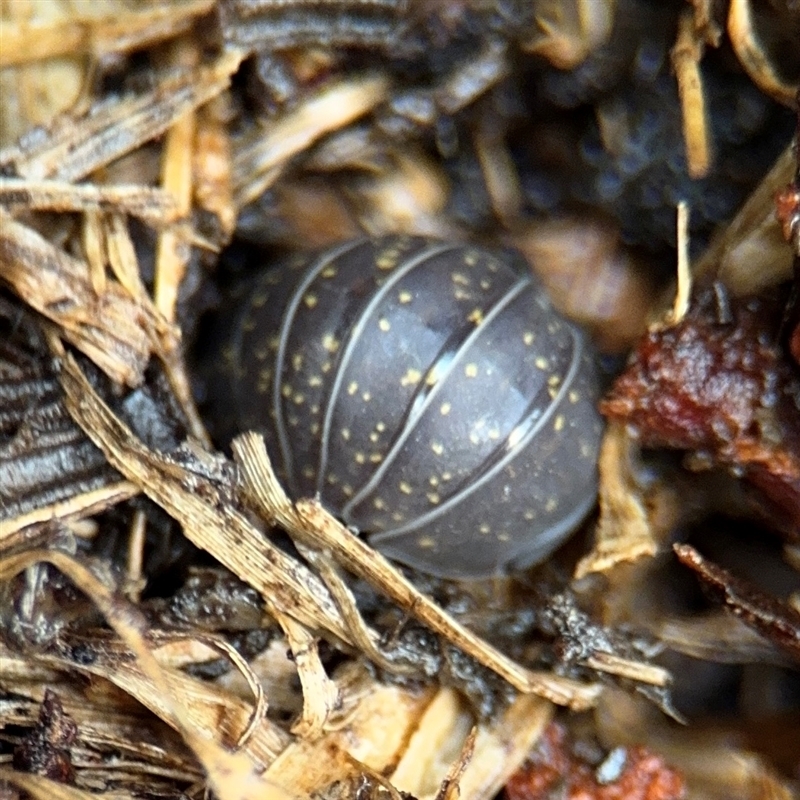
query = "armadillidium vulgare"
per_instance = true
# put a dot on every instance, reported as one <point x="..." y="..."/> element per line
<point x="427" y="392"/>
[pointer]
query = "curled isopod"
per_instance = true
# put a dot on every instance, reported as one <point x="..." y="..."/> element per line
<point x="428" y="393"/>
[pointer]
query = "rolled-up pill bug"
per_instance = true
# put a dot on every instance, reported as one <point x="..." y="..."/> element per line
<point x="428" y="393"/>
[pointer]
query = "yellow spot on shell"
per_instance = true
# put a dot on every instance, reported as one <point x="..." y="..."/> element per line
<point x="360" y="458"/>
<point x="330" y="343"/>
<point x="476" y="316"/>
<point x="366" y="397"/>
<point x="437" y="448"/>
<point x="314" y="381"/>
<point x="379" y="504"/>
<point x="559" y="423"/>
<point x="471" y="370"/>
<point x="551" y="505"/>
<point x="574" y="396"/>
<point x="484" y="529"/>
<point x="299" y="398"/>
<point x="426" y="543"/>
<point x="433" y="497"/>
<point x="405" y="297"/>
<point x="346" y="434"/>
<point x="542" y="363"/>
<point x="411" y="378"/>
<point x="310" y="300"/>
<point x="405" y="487"/>
<point x="286" y="390"/>
<point x="375" y="458"/>
<point x="384" y="324"/>
<point x="329" y="272"/>
<point x="387" y="259"/>
<point x="352" y="388"/>
<point x="445" y="409"/>
<point x="460" y="278"/>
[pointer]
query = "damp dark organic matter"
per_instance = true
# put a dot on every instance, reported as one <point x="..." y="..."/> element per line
<point x="427" y="392"/>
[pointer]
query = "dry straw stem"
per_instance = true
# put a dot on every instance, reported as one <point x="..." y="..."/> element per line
<point x="73" y="148"/>
<point x="751" y="254"/>
<point x="567" y="31"/>
<point x="261" y="155"/>
<point x="686" y="56"/>
<point x="499" y="748"/>
<point x="308" y="523"/>
<point x="375" y="738"/>
<point x="98" y="35"/>
<point x="172" y="253"/>
<point x="154" y="206"/>
<point x="78" y="507"/>
<point x="110" y="328"/>
<point x="190" y="491"/>
<point x="752" y="57"/>
<point x="212" y="713"/>
<point x="623" y="532"/>
<point x="320" y="694"/>
<point x="680" y="305"/>
<point x="213" y="165"/>
<point x="183" y="702"/>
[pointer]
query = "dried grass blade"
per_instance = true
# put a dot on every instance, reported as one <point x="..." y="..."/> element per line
<point x="75" y="148"/>
<point x="314" y="527"/>
<point x="203" y="507"/>
<point x="111" y="328"/>
<point x="101" y="35"/>
<point x="154" y="206"/>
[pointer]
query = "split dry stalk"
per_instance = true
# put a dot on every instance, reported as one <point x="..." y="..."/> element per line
<point x="314" y="527"/>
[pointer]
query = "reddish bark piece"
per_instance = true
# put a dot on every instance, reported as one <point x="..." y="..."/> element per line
<point x="553" y="772"/>
<point x="718" y="383"/>
<point x="772" y="618"/>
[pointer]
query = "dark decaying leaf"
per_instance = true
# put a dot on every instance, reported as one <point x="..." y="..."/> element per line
<point x="771" y="617"/>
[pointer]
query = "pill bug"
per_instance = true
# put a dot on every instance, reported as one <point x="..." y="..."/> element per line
<point x="428" y="393"/>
